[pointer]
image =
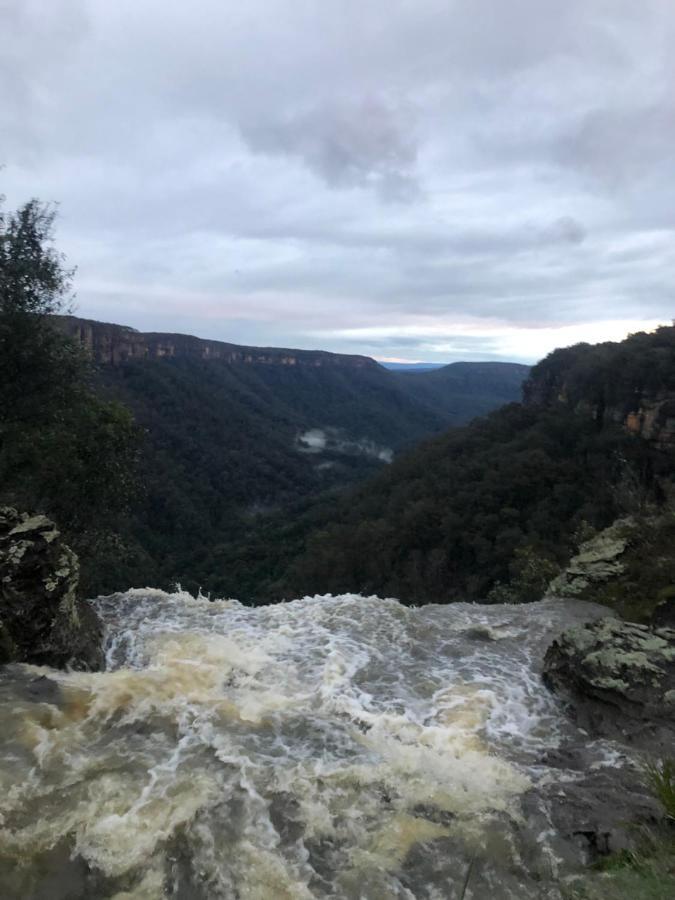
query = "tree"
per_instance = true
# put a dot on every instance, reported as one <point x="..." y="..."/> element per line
<point x="64" y="451"/>
<point x="38" y="366"/>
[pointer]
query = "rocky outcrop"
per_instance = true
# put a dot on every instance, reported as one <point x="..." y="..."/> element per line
<point x="628" y="567"/>
<point x="42" y="621"/>
<point x="598" y="561"/>
<point x="654" y="420"/>
<point x="631" y="383"/>
<point x="619" y="679"/>
<point x="592" y="814"/>
<point x="115" y="344"/>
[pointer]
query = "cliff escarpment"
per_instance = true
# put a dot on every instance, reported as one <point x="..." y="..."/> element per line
<point x="631" y="383"/>
<point x="232" y="436"/>
<point x="116" y="344"/>
<point x="493" y="510"/>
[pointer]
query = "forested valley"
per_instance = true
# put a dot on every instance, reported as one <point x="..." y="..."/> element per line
<point x="267" y="480"/>
<point x="160" y="466"/>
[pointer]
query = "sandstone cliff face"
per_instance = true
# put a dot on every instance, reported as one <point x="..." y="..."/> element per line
<point x="115" y="344"/>
<point x="631" y="383"/>
<point x="651" y="416"/>
<point x="654" y="420"/>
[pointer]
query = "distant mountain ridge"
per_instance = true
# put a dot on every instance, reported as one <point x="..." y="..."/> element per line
<point x="490" y="511"/>
<point x="447" y="395"/>
<point x="462" y="390"/>
<point x="116" y="344"/>
<point x="233" y="433"/>
<point x="412" y="367"/>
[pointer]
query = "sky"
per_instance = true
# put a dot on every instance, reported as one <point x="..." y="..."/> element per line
<point x="409" y="179"/>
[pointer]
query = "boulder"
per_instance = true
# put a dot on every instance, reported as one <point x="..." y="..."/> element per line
<point x="42" y="620"/>
<point x="598" y="561"/>
<point x="619" y="679"/>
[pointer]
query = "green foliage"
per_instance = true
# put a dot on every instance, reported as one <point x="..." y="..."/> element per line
<point x="606" y="378"/>
<point x="32" y="277"/>
<point x="230" y="503"/>
<point x="462" y="391"/>
<point x="649" y="569"/>
<point x="491" y="510"/>
<point x="37" y="366"/>
<point x="660" y="776"/>
<point x="646" y="872"/>
<point x="530" y="573"/>
<point x="63" y="450"/>
<point x="499" y="500"/>
<point x="223" y="469"/>
<point x="653" y="880"/>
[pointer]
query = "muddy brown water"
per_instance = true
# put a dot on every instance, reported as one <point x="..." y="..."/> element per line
<point x="338" y="747"/>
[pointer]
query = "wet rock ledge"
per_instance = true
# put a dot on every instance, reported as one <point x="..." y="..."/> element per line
<point x="619" y="679"/>
<point x="42" y="621"/>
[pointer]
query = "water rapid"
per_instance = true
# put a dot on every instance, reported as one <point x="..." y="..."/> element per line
<point x="343" y="747"/>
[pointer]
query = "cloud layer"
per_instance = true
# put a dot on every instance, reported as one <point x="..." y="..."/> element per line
<point x="406" y="178"/>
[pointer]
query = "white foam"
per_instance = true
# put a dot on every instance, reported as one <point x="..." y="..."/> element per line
<point x="261" y="735"/>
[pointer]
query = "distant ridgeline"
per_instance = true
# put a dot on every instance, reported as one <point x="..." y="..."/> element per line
<point x="118" y="344"/>
<point x="491" y="510"/>
<point x="235" y="434"/>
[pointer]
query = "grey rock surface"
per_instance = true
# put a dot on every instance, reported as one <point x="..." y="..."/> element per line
<point x="594" y="815"/>
<point x="619" y="679"/>
<point x="42" y="620"/>
<point x="597" y="561"/>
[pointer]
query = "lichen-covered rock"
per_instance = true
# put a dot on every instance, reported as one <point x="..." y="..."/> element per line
<point x="619" y="678"/>
<point x="42" y="620"/>
<point x="597" y="561"/>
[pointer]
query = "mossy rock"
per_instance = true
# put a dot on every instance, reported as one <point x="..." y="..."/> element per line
<point x="629" y="567"/>
<point x="619" y="679"/>
<point x="41" y="618"/>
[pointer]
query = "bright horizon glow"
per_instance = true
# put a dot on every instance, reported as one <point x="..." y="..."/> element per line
<point x="518" y="345"/>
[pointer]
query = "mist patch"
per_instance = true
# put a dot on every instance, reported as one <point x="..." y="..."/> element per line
<point x="335" y="440"/>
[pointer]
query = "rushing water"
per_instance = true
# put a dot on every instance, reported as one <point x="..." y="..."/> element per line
<point x="342" y="747"/>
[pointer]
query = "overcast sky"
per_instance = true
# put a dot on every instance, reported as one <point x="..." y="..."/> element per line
<point x="411" y="179"/>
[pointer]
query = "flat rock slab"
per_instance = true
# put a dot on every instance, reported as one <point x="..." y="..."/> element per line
<point x="619" y="680"/>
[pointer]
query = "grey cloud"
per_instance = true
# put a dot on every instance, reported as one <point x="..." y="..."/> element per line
<point x="365" y="143"/>
<point x="616" y="145"/>
<point x="567" y="230"/>
<point x="37" y="42"/>
<point x="249" y="171"/>
<point x="452" y="346"/>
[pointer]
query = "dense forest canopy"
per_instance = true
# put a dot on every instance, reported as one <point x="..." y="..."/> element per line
<point x="63" y="449"/>
<point x="463" y="513"/>
<point x="231" y="446"/>
<point x="490" y="511"/>
<point x="612" y="377"/>
<point x="465" y="390"/>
